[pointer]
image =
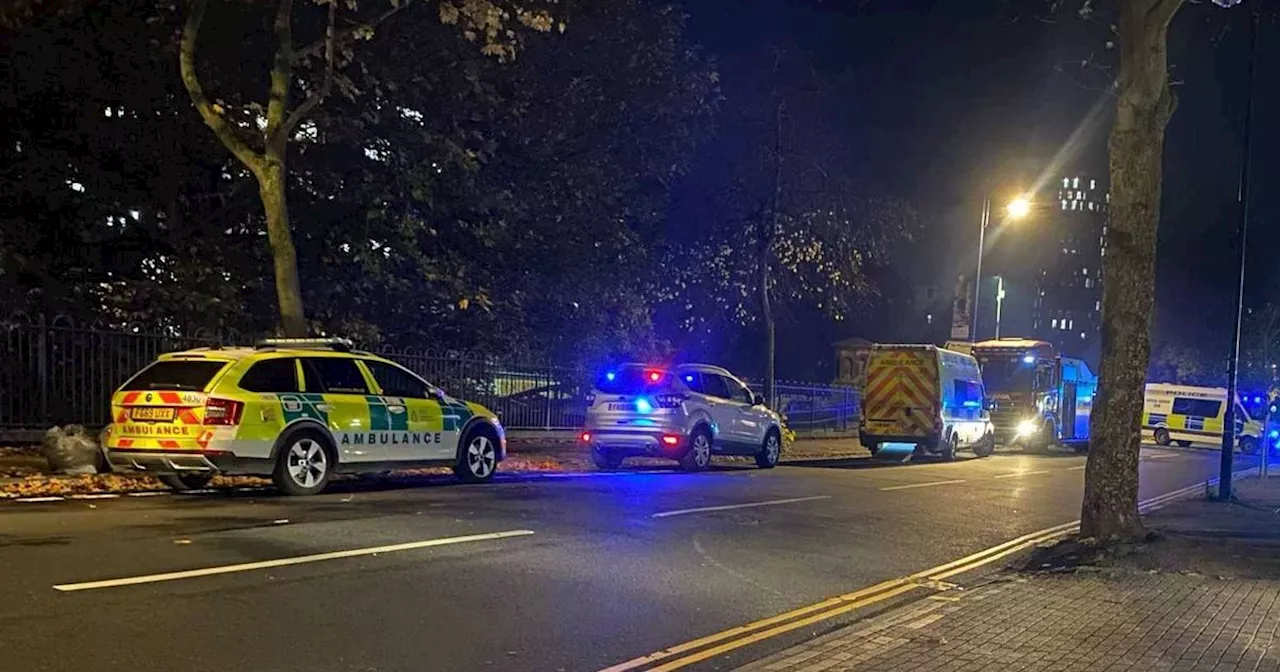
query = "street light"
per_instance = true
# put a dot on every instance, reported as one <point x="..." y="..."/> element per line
<point x="1016" y="209"/>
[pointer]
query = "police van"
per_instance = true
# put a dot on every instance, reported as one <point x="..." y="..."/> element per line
<point x="296" y="410"/>
<point x="1185" y="414"/>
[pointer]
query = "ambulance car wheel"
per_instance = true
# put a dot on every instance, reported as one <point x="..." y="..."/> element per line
<point x="1184" y="443"/>
<point x="192" y="480"/>
<point x="478" y="459"/>
<point x="304" y="463"/>
<point x="698" y="456"/>
<point x="948" y="448"/>
<point x="1162" y="436"/>
<point x="986" y="446"/>
<point x="1248" y="445"/>
<point x="605" y="459"/>
<point x="770" y="452"/>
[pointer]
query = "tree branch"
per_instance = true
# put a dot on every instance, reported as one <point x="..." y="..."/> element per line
<point x="281" y="75"/>
<point x="320" y="94"/>
<point x="225" y="132"/>
<point x="341" y="37"/>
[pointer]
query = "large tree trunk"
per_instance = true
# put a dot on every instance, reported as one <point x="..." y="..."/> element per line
<point x="271" y="186"/>
<point x="1145" y="103"/>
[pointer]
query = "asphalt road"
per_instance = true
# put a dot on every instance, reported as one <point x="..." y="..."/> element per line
<point x="570" y="573"/>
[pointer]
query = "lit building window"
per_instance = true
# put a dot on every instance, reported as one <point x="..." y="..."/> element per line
<point x="1097" y="305"/>
<point x="1088" y="283"/>
<point x="1075" y="184"/>
<point x="1064" y="205"/>
<point x="928" y="319"/>
<point x="1093" y="184"/>
<point x="1085" y="270"/>
<point x="1082" y="336"/>
<point x="1066" y="182"/>
<point x="1053" y="324"/>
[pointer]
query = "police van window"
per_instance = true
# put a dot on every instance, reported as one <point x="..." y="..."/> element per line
<point x="397" y="382"/>
<point x="969" y="392"/>
<point x="272" y="375"/>
<point x="1196" y="408"/>
<point x="338" y="375"/>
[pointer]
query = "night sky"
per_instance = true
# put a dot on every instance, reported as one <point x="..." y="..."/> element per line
<point x="948" y="98"/>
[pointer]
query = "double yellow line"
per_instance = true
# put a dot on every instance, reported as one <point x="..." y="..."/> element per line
<point x="725" y="641"/>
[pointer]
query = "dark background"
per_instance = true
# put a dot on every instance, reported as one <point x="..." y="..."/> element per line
<point x="950" y="98"/>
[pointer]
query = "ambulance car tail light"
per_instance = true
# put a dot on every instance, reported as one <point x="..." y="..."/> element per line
<point x="670" y="440"/>
<point x="222" y="412"/>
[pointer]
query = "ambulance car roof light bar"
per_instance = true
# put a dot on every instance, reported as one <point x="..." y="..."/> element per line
<point x="336" y="344"/>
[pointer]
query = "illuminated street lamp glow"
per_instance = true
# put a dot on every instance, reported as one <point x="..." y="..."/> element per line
<point x="1018" y="208"/>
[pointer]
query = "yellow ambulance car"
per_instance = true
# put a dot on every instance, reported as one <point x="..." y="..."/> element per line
<point x="296" y="410"/>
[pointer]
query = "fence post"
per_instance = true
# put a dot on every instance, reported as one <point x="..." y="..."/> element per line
<point x="546" y="424"/>
<point x="42" y="369"/>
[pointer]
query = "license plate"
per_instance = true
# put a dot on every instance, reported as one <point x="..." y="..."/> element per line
<point x="622" y="407"/>
<point x="152" y="413"/>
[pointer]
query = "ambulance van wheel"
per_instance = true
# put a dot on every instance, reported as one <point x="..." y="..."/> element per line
<point x="1162" y="436"/>
<point x="192" y="480"/>
<point x="304" y="463"/>
<point x="986" y="446"/>
<point x="1248" y="445"/>
<point x="478" y="459"/>
<point x="947" y="449"/>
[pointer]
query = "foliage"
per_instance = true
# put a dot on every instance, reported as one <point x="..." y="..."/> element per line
<point x="1181" y="364"/>
<point x="448" y="201"/>
<point x="791" y="199"/>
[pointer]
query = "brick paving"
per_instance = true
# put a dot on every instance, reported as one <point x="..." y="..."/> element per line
<point x="1206" y="597"/>
<point x="1087" y="620"/>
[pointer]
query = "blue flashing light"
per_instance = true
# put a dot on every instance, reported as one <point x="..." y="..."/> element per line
<point x="610" y="376"/>
<point x="1029" y="359"/>
<point x="643" y="405"/>
<point x="688" y="378"/>
<point x="972" y="404"/>
<point x="1257" y="400"/>
<point x="1275" y="433"/>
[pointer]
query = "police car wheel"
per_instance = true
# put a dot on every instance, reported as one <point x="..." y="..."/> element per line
<point x="698" y="456"/>
<point x="304" y="464"/>
<point x="605" y="459"/>
<point x="479" y="458"/>
<point x="186" y="481"/>
<point x="770" y="452"/>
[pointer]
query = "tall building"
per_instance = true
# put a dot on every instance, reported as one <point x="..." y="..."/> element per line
<point x="1067" y="309"/>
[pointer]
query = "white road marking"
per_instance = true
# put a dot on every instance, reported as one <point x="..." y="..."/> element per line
<point x="153" y="493"/>
<point x="921" y="485"/>
<point x="100" y="496"/>
<point x="1159" y="456"/>
<point x="1021" y="473"/>
<point x="1077" y="468"/>
<point x="37" y="500"/>
<point x="704" y="509"/>
<point x="284" y="562"/>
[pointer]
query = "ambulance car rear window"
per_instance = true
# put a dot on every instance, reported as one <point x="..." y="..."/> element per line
<point x="175" y="375"/>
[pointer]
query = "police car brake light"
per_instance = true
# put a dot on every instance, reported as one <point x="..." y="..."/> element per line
<point x="222" y="412"/>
